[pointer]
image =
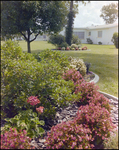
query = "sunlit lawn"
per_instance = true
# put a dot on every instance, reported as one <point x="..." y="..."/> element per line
<point x="103" y="59"/>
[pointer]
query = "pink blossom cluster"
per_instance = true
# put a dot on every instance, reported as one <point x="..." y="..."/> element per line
<point x="40" y="109"/>
<point x="73" y="75"/>
<point x="15" y="140"/>
<point x="33" y="100"/>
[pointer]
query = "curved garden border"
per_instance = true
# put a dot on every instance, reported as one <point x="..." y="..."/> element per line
<point x="95" y="80"/>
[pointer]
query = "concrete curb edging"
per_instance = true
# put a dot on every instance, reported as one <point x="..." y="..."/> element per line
<point x="109" y="96"/>
<point x="96" y="79"/>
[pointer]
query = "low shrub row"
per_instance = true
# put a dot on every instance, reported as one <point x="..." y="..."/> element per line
<point x="92" y="124"/>
<point x="72" y="48"/>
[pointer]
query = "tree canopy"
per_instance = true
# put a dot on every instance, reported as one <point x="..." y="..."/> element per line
<point x="32" y="17"/>
<point x="109" y="13"/>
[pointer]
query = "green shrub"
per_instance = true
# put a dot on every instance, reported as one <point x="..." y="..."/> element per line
<point x="115" y="39"/>
<point x="22" y="78"/>
<point x="57" y="40"/>
<point x="25" y="120"/>
<point x="111" y="142"/>
<point x="75" y="40"/>
<point x="100" y="43"/>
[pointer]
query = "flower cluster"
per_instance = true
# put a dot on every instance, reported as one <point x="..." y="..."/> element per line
<point x="69" y="135"/>
<point x="67" y="48"/>
<point x="76" y="48"/>
<point x="40" y="109"/>
<point x="33" y="100"/>
<point x="15" y="140"/>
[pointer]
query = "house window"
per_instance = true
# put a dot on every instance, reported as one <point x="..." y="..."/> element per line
<point x="99" y="33"/>
<point x="89" y="34"/>
<point x="79" y="34"/>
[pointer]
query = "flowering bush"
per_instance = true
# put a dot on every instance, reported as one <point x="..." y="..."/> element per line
<point x="78" y="64"/>
<point x="69" y="135"/>
<point x="15" y="140"/>
<point x="63" y="48"/>
<point x="97" y="119"/>
<point x="40" y="109"/>
<point x="88" y="90"/>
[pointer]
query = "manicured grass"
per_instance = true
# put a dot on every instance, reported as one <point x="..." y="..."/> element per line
<point x="103" y="59"/>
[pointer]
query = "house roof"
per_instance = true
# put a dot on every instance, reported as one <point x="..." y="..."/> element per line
<point x="98" y="26"/>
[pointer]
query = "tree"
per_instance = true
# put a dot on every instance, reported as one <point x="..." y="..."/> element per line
<point x="109" y="13"/>
<point x="69" y="27"/>
<point x="32" y="17"/>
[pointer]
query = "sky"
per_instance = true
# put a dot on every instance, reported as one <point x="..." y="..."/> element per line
<point x="90" y="14"/>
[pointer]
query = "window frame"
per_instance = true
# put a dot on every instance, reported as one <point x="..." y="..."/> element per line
<point x="99" y="36"/>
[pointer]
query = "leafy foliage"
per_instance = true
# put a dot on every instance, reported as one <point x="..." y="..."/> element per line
<point x="89" y="41"/>
<point x="26" y="120"/>
<point x="109" y="13"/>
<point x="22" y="78"/>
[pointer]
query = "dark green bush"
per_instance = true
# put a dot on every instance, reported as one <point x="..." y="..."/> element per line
<point x="115" y="39"/>
<point x="89" y="41"/>
<point x="22" y="78"/>
<point x="56" y="39"/>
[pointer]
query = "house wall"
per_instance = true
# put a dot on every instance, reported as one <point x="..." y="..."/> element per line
<point x="107" y="34"/>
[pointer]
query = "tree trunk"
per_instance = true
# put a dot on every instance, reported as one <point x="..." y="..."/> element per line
<point x="28" y="46"/>
<point x="28" y="41"/>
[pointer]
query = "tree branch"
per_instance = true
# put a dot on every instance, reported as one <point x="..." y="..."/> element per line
<point x="35" y="37"/>
<point x="23" y="35"/>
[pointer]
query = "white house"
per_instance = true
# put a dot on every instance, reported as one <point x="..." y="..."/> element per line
<point x="97" y="33"/>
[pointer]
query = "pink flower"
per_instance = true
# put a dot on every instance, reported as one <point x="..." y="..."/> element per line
<point x="40" y="109"/>
<point x="33" y="100"/>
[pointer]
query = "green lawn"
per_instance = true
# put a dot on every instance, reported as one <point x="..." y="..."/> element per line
<point x="103" y="59"/>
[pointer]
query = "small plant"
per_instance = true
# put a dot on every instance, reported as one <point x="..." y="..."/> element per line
<point x="87" y="67"/>
<point x="69" y="135"/>
<point x="67" y="48"/>
<point x="63" y="48"/>
<point x="76" y="48"/>
<point x="75" y="40"/>
<point x="89" y="41"/>
<point x="100" y="43"/>
<point x="64" y="44"/>
<point x="84" y="48"/>
<point x="13" y="139"/>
